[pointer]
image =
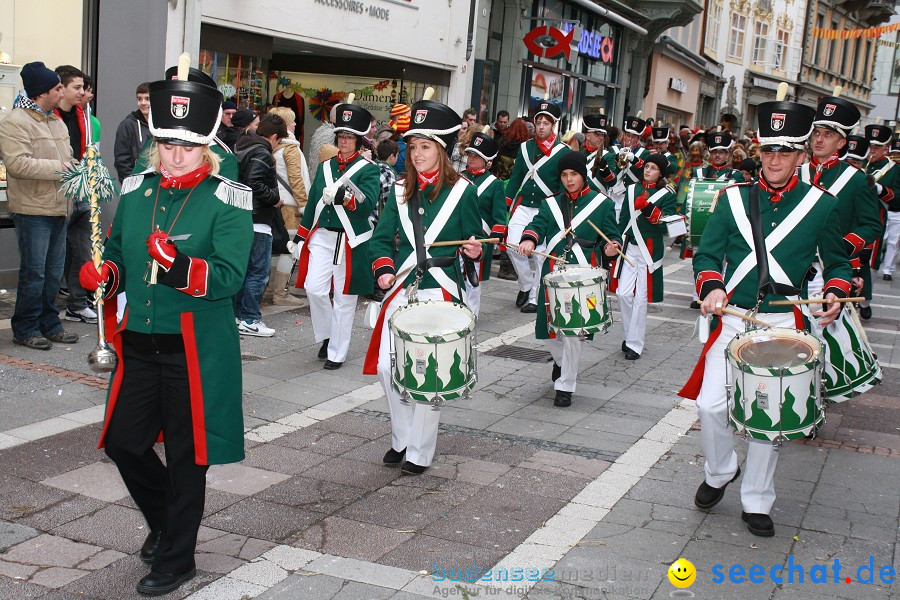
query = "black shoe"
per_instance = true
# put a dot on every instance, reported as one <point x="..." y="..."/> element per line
<point x="151" y="547"/>
<point x="521" y="299"/>
<point x="707" y="496"/>
<point x="759" y="524"/>
<point x="562" y="398"/>
<point x="557" y="371"/>
<point x="157" y="584"/>
<point x="695" y="305"/>
<point x="412" y="468"/>
<point x="323" y="351"/>
<point x="529" y="308"/>
<point x="865" y="312"/>
<point x="331" y="365"/>
<point x="63" y="337"/>
<point x="631" y="354"/>
<point x="624" y="347"/>
<point x="393" y="458"/>
<point x="887" y="277"/>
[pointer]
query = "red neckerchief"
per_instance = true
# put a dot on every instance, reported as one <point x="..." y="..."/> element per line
<point x="720" y="168"/>
<point x="777" y="193"/>
<point x="546" y="145"/>
<point x="589" y="149"/>
<point x="427" y="178"/>
<point x="477" y="172"/>
<point x="647" y="187"/>
<point x="181" y="182"/>
<point x="584" y="191"/>
<point x="820" y="167"/>
<point x="343" y="162"/>
<point x="698" y="163"/>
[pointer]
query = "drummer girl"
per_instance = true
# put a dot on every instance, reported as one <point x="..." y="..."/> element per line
<point x="570" y="210"/>
<point x="642" y="231"/>
<point x="433" y="204"/>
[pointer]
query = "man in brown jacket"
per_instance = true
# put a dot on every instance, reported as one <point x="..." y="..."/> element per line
<point x="34" y="144"/>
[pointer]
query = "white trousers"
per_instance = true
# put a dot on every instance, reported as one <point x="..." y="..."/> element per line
<point x="717" y="436"/>
<point x="632" y="294"/>
<point x="891" y="240"/>
<point x="566" y="351"/>
<point x="529" y="279"/>
<point x="414" y="425"/>
<point x="331" y="318"/>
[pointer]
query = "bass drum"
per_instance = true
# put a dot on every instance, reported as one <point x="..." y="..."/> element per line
<point x="698" y="207"/>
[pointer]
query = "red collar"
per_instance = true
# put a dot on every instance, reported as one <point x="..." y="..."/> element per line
<point x="721" y="168"/>
<point x="777" y="193"/>
<point x="477" y="172"/>
<point x="584" y="191"/>
<point x="546" y="145"/>
<point x="589" y="149"/>
<point x="181" y="182"/>
<point x="343" y="162"/>
<point x="824" y="165"/>
<point x="649" y="186"/>
<point x="427" y="178"/>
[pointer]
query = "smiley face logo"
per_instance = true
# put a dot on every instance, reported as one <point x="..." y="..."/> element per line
<point x="682" y="573"/>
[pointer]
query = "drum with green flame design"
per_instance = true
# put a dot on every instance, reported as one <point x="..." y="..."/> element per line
<point x="850" y="366"/>
<point x="576" y="301"/>
<point x="775" y="383"/>
<point x="433" y="358"/>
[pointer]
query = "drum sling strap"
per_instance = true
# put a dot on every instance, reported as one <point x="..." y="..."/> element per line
<point x="424" y="263"/>
<point x="766" y="284"/>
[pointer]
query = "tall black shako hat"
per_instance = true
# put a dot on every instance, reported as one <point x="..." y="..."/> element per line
<point x="784" y="126"/>
<point x="634" y="125"/>
<point x="184" y="113"/>
<point x="195" y="75"/>
<point x="857" y="147"/>
<point x="434" y="121"/>
<point x="352" y="118"/>
<point x="484" y="146"/>
<point x="895" y="144"/>
<point x="836" y="114"/>
<point x="719" y="140"/>
<point x="595" y="124"/>
<point x="660" y="134"/>
<point x="878" y="135"/>
<point x="548" y="109"/>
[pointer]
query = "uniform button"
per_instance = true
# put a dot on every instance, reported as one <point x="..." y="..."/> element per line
<point x="196" y="292"/>
<point x="162" y="209"/>
<point x="148" y="303"/>
<point x="774" y="224"/>
<point x="148" y="321"/>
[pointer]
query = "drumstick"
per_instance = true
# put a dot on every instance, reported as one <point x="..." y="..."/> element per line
<point x="539" y="253"/>
<point x="461" y="242"/>
<point x="735" y="313"/>
<point x="814" y="301"/>
<point x="609" y="241"/>
<point x="400" y="275"/>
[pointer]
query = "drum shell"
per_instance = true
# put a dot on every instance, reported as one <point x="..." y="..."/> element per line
<point x="577" y="307"/>
<point x="698" y="207"/>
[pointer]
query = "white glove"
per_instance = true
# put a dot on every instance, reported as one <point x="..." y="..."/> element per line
<point x="328" y="196"/>
<point x="291" y="247"/>
<point x="879" y="188"/>
<point x="629" y="155"/>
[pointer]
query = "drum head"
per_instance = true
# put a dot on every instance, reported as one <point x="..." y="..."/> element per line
<point x="776" y="350"/>
<point x="569" y="275"/>
<point x="433" y="318"/>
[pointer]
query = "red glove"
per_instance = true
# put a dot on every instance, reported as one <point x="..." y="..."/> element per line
<point x="161" y="250"/>
<point x="90" y="278"/>
<point x="640" y="203"/>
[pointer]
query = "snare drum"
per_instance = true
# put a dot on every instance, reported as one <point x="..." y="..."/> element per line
<point x="698" y="207"/>
<point x="576" y="301"/>
<point x="432" y="354"/>
<point x="774" y="382"/>
<point x="850" y="367"/>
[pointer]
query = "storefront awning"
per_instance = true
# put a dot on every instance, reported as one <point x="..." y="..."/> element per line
<point x="610" y="15"/>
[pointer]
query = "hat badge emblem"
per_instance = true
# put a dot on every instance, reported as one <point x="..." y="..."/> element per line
<point x="180" y="106"/>
<point x="477" y="142"/>
<point x="852" y="145"/>
<point x="347" y="115"/>
<point x="420" y="116"/>
<point x="777" y="121"/>
<point x="829" y="110"/>
<point x="876" y="132"/>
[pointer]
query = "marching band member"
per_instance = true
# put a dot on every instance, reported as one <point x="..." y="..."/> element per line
<point x="334" y="262"/>
<point x="660" y="138"/>
<point x="886" y="177"/>
<point x="643" y="234"/>
<point x="796" y="220"/>
<point x="179" y="359"/>
<point x="601" y="161"/>
<point x="480" y="155"/>
<point x="857" y="150"/>
<point x="719" y="168"/>
<point x="856" y="206"/>
<point x="633" y="154"/>
<point x="569" y="212"/>
<point x="534" y="178"/>
<point x="433" y="204"/>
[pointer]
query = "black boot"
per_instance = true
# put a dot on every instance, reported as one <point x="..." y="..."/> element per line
<point x="557" y="371"/>
<point x="707" y="496"/>
<point x="323" y="351"/>
<point x="151" y="547"/>
<point x="759" y="524"/>
<point x="562" y="399"/>
<point x="157" y="584"/>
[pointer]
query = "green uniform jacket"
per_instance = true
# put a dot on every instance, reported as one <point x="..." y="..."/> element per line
<point x="673" y="164"/>
<point x="228" y="168"/>
<point x="602" y="175"/>
<point x="528" y="193"/>
<point x="890" y="199"/>
<point x="318" y="214"/>
<point x="635" y="172"/>
<point x="492" y="208"/>
<point x="194" y="298"/>
<point x="652" y="230"/>
<point x="545" y="226"/>
<point x="724" y="246"/>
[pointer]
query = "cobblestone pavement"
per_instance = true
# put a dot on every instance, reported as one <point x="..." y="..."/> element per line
<point x="532" y="501"/>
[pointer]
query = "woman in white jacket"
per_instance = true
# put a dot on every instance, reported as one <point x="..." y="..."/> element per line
<point x="293" y="183"/>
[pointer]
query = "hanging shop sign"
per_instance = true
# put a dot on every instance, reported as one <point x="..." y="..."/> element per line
<point x="549" y="42"/>
<point x="592" y="44"/>
<point x="677" y="84"/>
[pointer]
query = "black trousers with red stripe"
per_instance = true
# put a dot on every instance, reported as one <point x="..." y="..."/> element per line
<point x="155" y="397"/>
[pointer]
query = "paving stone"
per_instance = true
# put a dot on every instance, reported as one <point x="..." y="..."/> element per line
<point x="57" y="577"/>
<point x="551" y="485"/>
<point x="312" y="494"/>
<point x="117" y="581"/>
<point x="28" y="498"/>
<point x="353" y="473"/>
<point x="259" y="572"/>
<point x="467" y="470"/>
<point x="282" y="459"/>
<point x="101" y="559"/>
<point x="323" y="587"/>
<point x="486" y="530"/>
<point x="14" y="533"/>
<point x="290" y="559"/>
<point x="253" y="517"/>
<point x="548" y="461"/>
<point x="618" y="576"/>
<point x="255" y="548"/>
<point x="622" y="540"/>
<point x="53" y="455"/>
<point x="516" y="505"/>
<point x="114" y="527"/>
<point x="227" y="588"/>
<point x="242" y="480"/>
<point x="99" y="480"/>
<point x="422" y="552"/>
<point x="465" y="417"/>
<point x="352" y="539"/>
<point x="360" y="571"/>
<point x="61" y="512"/>
<point x="16" y="570"/>
<point x="217" y="500"/>
<point x="50" y="551"/>
<point x="20" y="590"/>
<point x="322" y="441"/>
<point x="216" y="563"/>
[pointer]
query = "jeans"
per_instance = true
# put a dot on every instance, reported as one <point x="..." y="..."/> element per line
<point x="42" y="252"/>
<point x="248" y="297"/>
<point x="78" y="252"/>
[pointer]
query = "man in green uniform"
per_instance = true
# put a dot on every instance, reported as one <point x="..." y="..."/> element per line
<point x="660" y="137"/>
<point x="720" y="144"/>
<point x="757" y="247"/>
<point x="601" y="161"/>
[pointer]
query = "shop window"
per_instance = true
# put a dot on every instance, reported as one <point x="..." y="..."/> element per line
<point x="761" y="30"/>
<point x="242" y="79"/>
<point x="736" y="36"/>
<point x="713" y="17"/>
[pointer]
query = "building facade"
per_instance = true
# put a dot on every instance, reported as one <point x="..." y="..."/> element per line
<point x="886" y="79"/>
